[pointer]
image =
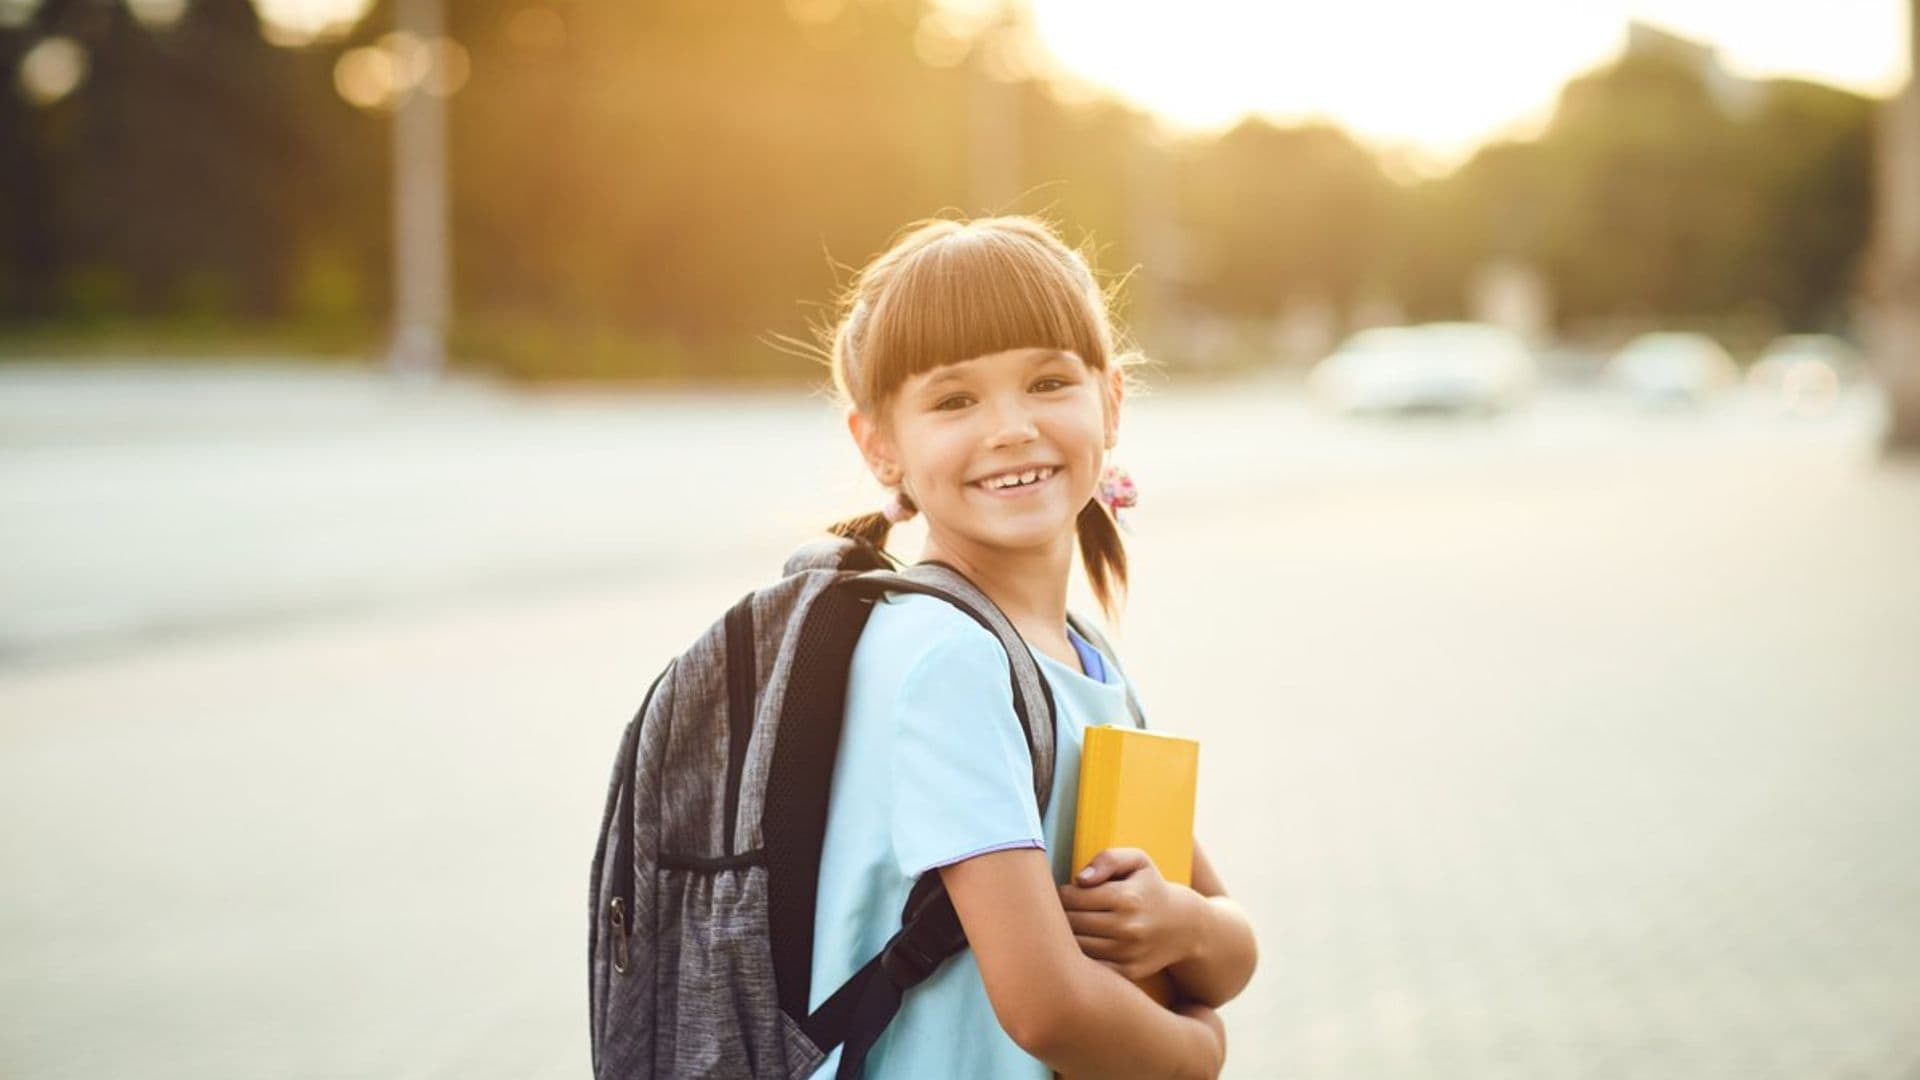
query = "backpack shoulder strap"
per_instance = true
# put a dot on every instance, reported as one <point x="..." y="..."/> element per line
<point x="1085" y="628"/>
<point x="859" y="1011"/>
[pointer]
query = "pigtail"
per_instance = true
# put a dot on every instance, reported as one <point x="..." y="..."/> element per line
<point x="1104" y="557"/>
<point x="873" y="528"/>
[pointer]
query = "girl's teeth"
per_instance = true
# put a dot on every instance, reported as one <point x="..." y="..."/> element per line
<point x="1021" y="480"/>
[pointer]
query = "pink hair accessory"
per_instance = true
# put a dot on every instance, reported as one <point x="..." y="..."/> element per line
<point x="897" y="510"/>
<point x="1117" y="492"/>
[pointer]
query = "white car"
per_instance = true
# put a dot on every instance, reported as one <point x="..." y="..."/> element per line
<point x="1802" y="374"/>
<point x="1450" y="367"/>
<point x="1669" y="368"/>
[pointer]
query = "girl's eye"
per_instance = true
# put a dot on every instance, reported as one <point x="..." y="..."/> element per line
<point x="960" y="400"/>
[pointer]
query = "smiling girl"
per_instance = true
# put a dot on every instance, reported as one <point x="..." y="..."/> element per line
<point x="977" y="364"/>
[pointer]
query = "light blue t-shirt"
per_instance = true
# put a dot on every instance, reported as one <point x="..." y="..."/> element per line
<point x="934" y="768"/>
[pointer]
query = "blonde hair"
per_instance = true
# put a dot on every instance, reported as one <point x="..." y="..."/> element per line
<point x="950" y="290"/>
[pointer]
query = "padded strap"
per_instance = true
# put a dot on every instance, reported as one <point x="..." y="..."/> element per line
<point x="858" y="1013"/>
<point x="873" y="1010"/>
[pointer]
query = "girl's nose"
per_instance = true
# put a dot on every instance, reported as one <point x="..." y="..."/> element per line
<point x="1013" y="423"/>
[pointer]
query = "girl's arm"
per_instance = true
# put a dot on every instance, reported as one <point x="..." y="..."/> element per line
<point x="1125" y="915"/>
<point x="1224" y="953"/>
<point x="1073" y="1013"/>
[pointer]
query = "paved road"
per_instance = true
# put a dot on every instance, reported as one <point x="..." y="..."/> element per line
<point x="1580" y="744"/>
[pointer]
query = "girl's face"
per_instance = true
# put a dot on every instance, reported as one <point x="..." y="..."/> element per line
<point x="954" y="428"/>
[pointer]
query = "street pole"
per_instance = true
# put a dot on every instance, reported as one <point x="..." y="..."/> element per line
<point x="993" y="127"/>
<point x="1897" y="243"/>
<point x="422" y="290"/>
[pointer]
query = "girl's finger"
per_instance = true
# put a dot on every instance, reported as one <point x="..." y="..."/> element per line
<point x="1109" y="864"/>
<point x="1100" y="949"/>
<point x="1114" y="949"/>
<point x="1100" y="898"/>
<point x="1097" y="923"/>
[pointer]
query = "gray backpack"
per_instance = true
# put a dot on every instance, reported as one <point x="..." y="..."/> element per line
<point x="700" y="939"/>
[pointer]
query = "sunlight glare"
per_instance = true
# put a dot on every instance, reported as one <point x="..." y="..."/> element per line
<point x="303" y="22"/>
<point x="1442" y="78"/>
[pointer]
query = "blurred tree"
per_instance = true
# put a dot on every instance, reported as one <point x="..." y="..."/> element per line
<point x="1283" y="214"/>
<point x="1811" y="150"/>
<point x="680" y="168"/>
<point x="30" y="249"/>
<point x="171" y="178"/>
<point x="666" y="187"/>
<point x="1644" y="198"/>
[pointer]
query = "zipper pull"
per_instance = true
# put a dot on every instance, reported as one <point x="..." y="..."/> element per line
<point x="619" y="919"/>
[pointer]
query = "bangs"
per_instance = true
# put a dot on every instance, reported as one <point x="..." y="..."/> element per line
<point x="973" y="293"/>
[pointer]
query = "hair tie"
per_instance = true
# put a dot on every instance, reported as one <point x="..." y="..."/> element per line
<point x="898" y="509"/>
<point x="1117" y="492"/>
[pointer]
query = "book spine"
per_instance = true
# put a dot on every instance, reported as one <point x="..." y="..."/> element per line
<point x="1095" y="810"/>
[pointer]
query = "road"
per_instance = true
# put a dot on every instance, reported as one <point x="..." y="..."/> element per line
<point x="1580" y="743"/>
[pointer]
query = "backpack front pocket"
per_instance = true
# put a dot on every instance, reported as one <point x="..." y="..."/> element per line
<point x="716" y="1008"/>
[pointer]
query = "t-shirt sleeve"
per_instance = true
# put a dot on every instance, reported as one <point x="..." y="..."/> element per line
<point x="962" y="772"/>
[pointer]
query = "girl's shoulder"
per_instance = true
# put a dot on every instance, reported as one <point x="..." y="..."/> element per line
<point x="908" y="631"/>
<point x="918" y="620"/>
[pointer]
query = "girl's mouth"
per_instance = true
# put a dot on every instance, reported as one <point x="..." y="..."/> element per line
<point x="1014" y="491"/>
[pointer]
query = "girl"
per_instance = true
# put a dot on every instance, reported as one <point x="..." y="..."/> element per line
<point x="982" y="387"/>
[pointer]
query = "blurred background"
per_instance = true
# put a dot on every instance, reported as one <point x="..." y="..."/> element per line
<point x="1528" y="518"/>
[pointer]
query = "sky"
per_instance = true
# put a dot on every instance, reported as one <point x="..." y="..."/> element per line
<point x="1438" y="79"/>
<point x="1433" y="79"/>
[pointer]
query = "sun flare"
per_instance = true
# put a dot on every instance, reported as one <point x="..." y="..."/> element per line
<point x="1439" y="78"/>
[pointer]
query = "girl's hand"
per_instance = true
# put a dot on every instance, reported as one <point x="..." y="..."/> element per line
<point x="1128" y="917"/>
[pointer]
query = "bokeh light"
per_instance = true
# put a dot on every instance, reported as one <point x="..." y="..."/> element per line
<point x="299" y="23"/>
<point x="411" y="59"/>
<point x="447" y="67"/>
<point x="53" y="69"/>
<point x="17" y="13"/>
<point x="380" y="76"/>
<point x="157" y="14"/>
<point x="1809" y="389"/>
<point x="365" y="77"/>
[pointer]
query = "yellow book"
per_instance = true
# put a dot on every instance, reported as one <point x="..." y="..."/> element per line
<point x="1137" y="790"/>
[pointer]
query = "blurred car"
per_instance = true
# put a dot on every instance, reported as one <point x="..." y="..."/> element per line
<point x="1802" y="374"/>
<point x="1671" y="368"/>
<point x="1437" y="367"/>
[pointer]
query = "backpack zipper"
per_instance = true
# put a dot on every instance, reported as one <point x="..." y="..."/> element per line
<point x="619" y="936"/>
<point x="621" y="826"/>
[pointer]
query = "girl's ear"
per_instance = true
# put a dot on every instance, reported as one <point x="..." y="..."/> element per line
<point x="874" y="447"/>
<point x="1116" y="394"/>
